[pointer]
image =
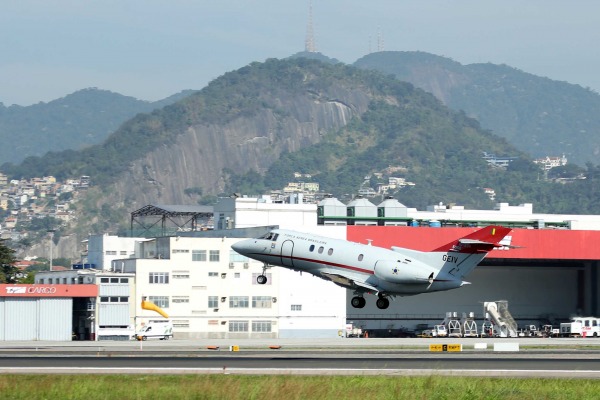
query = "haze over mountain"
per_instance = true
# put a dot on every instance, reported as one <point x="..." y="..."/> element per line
<point x="75" y="121"/>
<point x="250" y="129"/>
<point x="539" y="116"/>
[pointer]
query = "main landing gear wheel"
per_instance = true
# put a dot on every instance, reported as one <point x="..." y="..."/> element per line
<point x="382" y="303"/>
<point x="358" y="302"/>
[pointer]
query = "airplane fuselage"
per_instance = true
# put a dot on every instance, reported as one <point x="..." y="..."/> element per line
<point x="361" y="267"/>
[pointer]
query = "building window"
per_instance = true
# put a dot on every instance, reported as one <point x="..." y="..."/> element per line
<point x="213" y="274"/>
<point x="160" y="301"/>
<point x="213" y="301"/>
<point x="114" y="280"/>
<point x="214" y="256"/>
<point x="124" y="280"/>
<point x="238" y="326"/>
<point x="181" y="323"/>
<point x="114" y="299"/>
<point x="234" y="256"/>
<point x="103" y="280"/>
<point x="296" y="307"/>
<point x="238" y="301"/>
<point x="158" y="277"/>
<point x="180" y="299"/>
<point x="261" y="301"/>
<point x="123" y="252"/>
<point x="181" y="276"/>
<point x="261" y="326"/>
<point x="198" y="255"/>
<point x="236" y="275"/>
<point x="111" y="252"/>
<point x="180" y="251"/>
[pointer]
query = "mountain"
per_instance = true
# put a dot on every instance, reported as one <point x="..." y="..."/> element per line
<point x="245" y="120"/>
<point x="75" y="121"/>
<point x="251" y="129"/>
<point x="540" y="116"/>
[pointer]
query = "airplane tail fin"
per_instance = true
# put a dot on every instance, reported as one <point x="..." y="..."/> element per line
<point x="480" y="241"/>
<point x="464" y="254"/>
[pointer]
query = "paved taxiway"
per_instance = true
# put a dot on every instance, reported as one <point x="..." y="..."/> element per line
<point x="537" y="357"/>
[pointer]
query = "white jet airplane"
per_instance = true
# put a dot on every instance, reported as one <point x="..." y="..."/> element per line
<point x="371" y="269"/>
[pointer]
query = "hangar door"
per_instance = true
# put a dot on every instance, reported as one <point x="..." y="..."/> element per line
<point x="35" y="318"/>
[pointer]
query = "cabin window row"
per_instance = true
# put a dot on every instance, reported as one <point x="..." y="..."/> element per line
<point x="321" y="249"/>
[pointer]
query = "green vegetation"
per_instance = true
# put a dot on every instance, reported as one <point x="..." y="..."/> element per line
<point x="539" y="116"/>
<point x="78" y="120"/>
<point x="7" y="257"/>
<point x="394" y="124"/>
<point x="229" y="387"/>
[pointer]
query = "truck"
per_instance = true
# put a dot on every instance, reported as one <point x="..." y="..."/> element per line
<point x="155" y="329"/>
<point x="581" y="327"/>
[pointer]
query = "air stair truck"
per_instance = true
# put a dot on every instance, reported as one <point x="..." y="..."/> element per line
<point x="498" y="320"/>
<point x="155" y="329"/>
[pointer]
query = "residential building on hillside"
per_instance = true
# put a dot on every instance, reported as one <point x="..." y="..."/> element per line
<point x="548" y="162"/>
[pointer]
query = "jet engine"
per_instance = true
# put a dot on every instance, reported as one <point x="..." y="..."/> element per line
<point x="397" y="272"/>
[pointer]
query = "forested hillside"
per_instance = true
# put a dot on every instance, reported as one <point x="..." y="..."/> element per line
<point x="539" y="116"/>
<point x="251" y="129"/>
<point x="81" y="119"/>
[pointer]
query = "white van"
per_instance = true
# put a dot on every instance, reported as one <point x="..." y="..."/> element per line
<point x="156" y="329"/>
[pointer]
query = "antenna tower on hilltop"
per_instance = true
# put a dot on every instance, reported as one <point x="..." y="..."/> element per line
<point x="309" y="44"/>
<point x="380" y="46"/>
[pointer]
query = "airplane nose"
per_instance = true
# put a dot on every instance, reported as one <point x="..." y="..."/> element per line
<point x="237" y="246"/>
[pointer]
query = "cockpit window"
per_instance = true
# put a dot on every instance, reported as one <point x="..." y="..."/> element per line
<point x="269" y="236"/>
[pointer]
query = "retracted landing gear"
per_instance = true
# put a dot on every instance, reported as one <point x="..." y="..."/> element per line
<point x="358" y="302"/>
<point x="382" y="302"/>
<point x="262" y="278"/>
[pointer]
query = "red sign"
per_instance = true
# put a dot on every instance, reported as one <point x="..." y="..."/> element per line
<point x="38" y="290"/>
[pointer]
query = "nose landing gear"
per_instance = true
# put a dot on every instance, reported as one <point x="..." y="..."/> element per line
<point x="262" y="278"/>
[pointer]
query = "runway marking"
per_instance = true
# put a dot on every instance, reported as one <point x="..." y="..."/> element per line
<point x="312" y="371"/>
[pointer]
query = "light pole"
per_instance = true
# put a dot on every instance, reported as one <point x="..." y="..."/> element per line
<point x="51" y="232"/>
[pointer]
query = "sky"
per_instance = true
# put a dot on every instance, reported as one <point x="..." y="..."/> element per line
<point x="151" y="49"/>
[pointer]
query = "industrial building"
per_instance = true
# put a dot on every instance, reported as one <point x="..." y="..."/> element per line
<point x="209" y="291"/>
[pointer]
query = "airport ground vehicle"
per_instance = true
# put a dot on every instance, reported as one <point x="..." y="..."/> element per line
<point x="156" y="329"/>
<point x="581" y="327"/>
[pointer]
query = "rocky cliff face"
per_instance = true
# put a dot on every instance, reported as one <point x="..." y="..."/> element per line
<point x="199" y="155"/>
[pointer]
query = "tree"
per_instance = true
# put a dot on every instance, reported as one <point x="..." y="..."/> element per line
<point x="8" y="272"/>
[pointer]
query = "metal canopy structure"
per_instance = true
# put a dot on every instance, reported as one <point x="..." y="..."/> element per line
<point x="165" y="220"/>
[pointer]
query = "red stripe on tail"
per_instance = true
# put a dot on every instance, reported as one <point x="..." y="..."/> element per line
<point x="490" y="236"/>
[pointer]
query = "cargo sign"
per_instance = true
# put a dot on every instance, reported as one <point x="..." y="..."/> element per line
<point x="38" y="290"/>
<point x="445" y="347"/>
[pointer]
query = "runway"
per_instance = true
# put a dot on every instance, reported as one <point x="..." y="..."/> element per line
<point x="562" y="358"/>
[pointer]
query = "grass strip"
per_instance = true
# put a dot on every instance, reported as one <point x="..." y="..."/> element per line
<point x="231" y="387"/>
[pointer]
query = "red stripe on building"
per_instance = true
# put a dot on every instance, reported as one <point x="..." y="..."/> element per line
<point x="559" y="244"/>
<point x="39" y="290"/>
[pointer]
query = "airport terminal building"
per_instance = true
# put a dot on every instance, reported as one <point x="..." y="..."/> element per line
<point x="549" y="273"/>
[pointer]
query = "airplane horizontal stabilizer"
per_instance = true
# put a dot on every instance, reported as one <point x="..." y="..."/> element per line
<point x="482" y="240"/>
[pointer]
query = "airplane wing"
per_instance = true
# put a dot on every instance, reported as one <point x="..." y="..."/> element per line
<point x="348" y="282"/>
